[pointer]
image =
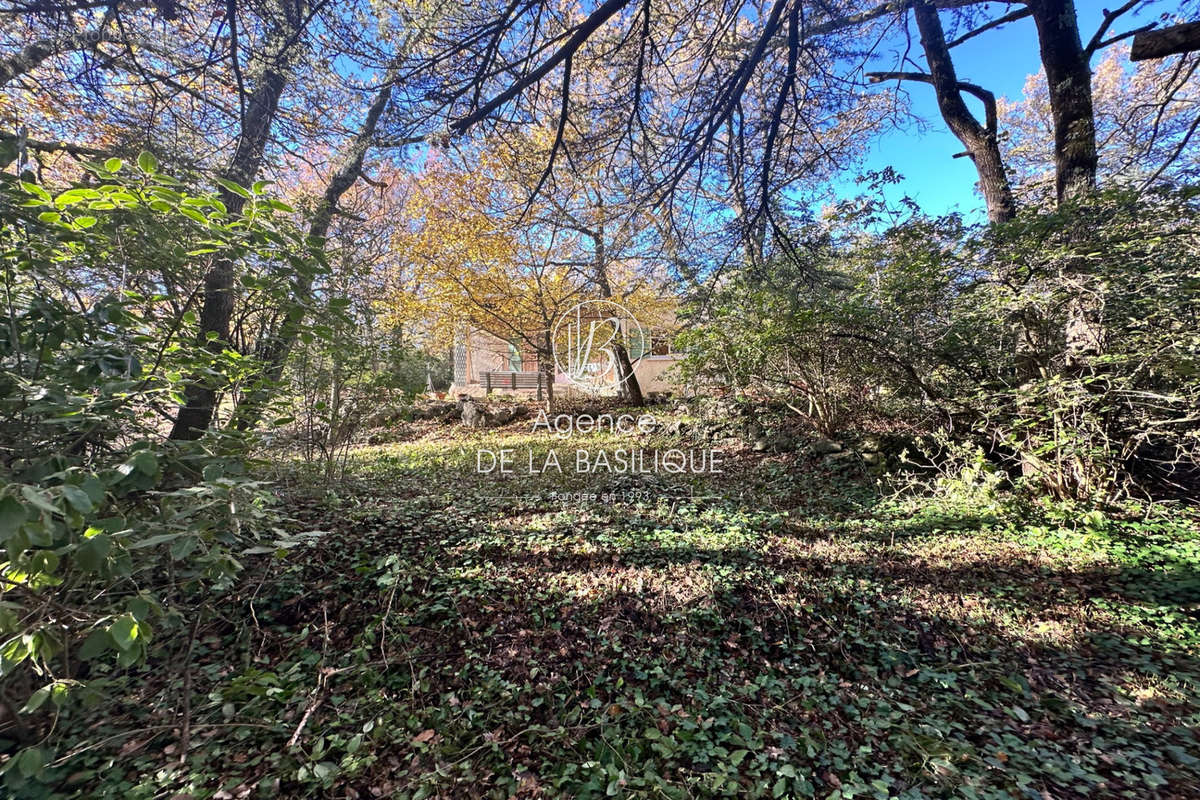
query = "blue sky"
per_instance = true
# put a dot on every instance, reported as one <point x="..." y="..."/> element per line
<point x="998" y="60"/>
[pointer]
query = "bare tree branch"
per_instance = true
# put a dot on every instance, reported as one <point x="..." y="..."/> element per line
<point x="1013" y="16"/>
<point x="988" y="98"/>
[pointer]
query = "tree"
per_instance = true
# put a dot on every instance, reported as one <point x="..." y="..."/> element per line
<point x="490" y="263"/>
<point x="465" y="269"/>
<point x="204" y="75"/>
<point x="258" y="115"/>
<point x="981" y="140"/>
<point x="689" y="71"/>
<point x="1144" y="125"/>
<point x="276" y="340"/>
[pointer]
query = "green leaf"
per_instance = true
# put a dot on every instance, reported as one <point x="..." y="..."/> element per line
<point x="30" y="761"/>
<point x="193" y="214"/>
<point x="165" y="194"/>
<point x="92" y="553"/>
<point x="182" y="548"/>
<point x="35" y="190"/>
<point x="78" y="499"/>
<point x="97" y="642"/>
<point x="36" y="699"/>
<point x="73" y="196"/>
<point x="13" y="653"/>
<point x="157" y="539"/>
<point x="127" y="658"/>
<point x="139" y="607"/>
<point x="124" y="631"/>
<point x="147" y="162"/>
<point x="44" y="562"/>
<point x="94" y="488"/>
<point x="145" y="462"/>
<point x="233" y="187"/>
<point x="38" y="499"/>
<point x="37" y="533"/>
<point x="12" y="516"/>
<point x="114" y="164"/>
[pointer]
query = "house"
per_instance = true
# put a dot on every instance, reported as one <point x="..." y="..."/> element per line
<point x="486" y="364"/>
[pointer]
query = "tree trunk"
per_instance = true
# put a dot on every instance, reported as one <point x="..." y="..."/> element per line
<point x="258" y="116"/>
<point x="627" y="381"/>
<point x="631" y="390"/>
<point x="980" y="141"/>
<point x="1069" y="79"/>
<point x="546" y="366"/>
<point x="275" y="346"/>
<point x="216" y="310"/>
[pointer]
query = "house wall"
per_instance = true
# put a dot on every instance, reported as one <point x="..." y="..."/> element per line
<point x="488" y="353"/>
<point x="485" y="352"/>
<point x="652" y="373"/>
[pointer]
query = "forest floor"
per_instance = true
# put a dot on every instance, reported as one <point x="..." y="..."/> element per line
<point x="784" y="629"/>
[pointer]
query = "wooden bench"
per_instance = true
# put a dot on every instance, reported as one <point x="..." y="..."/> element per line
<point x="512" y="380"/>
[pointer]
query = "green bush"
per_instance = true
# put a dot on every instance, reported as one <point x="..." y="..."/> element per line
<point x="976" y="333"/>
<point x="1119" y="416"/>
<point x="110" y="531"/>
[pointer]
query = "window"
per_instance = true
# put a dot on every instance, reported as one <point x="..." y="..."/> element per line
<point x="648" y="342"/>
<point x="660" y="344"/>
<point x="639" y="342"/>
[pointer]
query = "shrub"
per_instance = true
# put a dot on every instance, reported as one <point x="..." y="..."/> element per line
<point x="1067" y="342"/>
<point x="1117" y="414"/>
<point x="110" y="531"/>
